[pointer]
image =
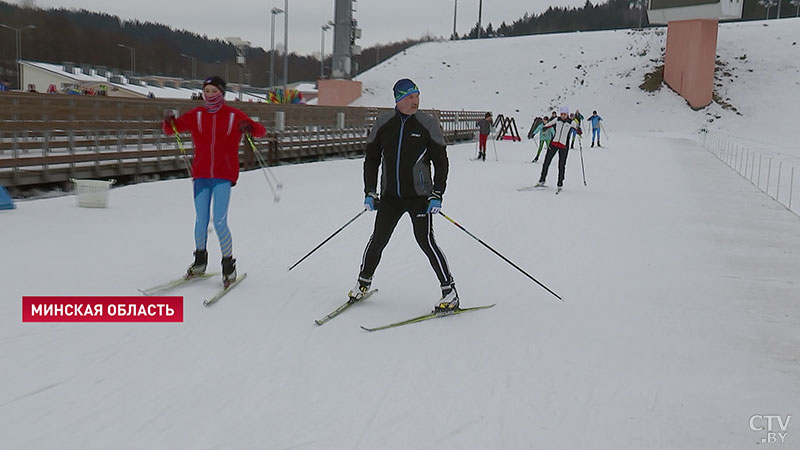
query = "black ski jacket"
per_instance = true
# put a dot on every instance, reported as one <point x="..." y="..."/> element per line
<point x="404" y="147"/>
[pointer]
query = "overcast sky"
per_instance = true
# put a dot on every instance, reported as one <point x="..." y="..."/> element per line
<point x="381" y="21"/>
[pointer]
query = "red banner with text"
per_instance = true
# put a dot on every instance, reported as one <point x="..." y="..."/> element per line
<point x="102" y="309"/>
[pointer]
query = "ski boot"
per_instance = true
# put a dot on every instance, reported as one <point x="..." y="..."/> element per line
<point x="449" y="301"/>
<point x="228" y="270"/>
<point x="360" y="289"/>
<point x="539" y="184"/>
<point x="199" y="265"/>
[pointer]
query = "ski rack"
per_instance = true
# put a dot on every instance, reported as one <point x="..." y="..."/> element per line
<point x="507" y="125"/>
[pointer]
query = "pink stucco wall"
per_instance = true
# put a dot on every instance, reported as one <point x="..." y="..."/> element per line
<point x="338" y="92"/>
<point x="690" y="57"/>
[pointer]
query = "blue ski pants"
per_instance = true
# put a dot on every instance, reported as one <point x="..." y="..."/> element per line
<point x="220" y="190"/>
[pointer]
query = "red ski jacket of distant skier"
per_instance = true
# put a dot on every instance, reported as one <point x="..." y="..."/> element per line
<point x="561" y="129"/>
<point x="216" y="139"/>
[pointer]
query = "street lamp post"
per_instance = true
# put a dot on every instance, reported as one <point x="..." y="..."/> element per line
<point x="638" y="4"/>
<point x="241" y="50"/>
<point x="274" y="11"/>
<point x="767" y="4"/>
<point x="194" y="65"/>
<point x="133" y="57"/>
<point x="796" y="4"/>
<point x="226" y="68"/>
<point x="325" y="28"/>
<point x="18" y="34"/>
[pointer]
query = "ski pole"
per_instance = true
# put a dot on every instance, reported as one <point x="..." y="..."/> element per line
<point x="495" y="150"/>
<point x="329" y="238"/>
<point x="580" y="146"/>
<point x="275" y="197"/>
<point x="180" y="146"/>
<point x="498" y="254"/>
<point x="603" y="129"/>
<point x="263" y="163"/>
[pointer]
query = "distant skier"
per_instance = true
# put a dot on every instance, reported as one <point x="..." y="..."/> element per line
<point x="404" y="143"/>
<point x="595" y="119"/>
<point x="484" y="128"/>
<point x="577" y="118"/>
<point x="536" y="127"/>
<point x="562" y="128"/>
<point x="216" y="131"/>
<point x="545" y="135"/>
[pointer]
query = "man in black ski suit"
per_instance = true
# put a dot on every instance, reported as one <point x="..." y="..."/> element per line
<point x="404" y="143"/>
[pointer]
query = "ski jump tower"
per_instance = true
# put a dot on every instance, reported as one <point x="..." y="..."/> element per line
<point x="340" y="90"/>
<point x="690" y="58"/>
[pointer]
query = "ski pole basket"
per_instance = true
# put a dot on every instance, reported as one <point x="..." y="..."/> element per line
<point x="92" y="193"/>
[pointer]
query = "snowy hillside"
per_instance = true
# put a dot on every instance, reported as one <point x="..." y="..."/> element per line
<point x="680" y="281"/>
<point x="758" y="74"/>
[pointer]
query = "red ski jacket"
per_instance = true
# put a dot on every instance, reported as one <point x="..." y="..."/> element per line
<point x="216" y="139"/>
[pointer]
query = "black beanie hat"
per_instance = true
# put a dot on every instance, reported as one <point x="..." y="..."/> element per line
<point x="215" y="81"/>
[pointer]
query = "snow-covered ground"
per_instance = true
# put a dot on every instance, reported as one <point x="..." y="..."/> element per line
<point x="680" y="279"/>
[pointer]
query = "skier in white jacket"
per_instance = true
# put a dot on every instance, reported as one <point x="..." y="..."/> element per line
<point x="562" y="126"/>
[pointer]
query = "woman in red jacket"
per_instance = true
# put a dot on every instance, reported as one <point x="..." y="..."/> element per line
<point x="216" y="130"/>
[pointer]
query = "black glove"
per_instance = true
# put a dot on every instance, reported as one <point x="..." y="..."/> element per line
<point x="245" y="127"/>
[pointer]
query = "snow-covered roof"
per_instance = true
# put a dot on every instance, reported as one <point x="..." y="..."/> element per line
<point x="140" y="87"/>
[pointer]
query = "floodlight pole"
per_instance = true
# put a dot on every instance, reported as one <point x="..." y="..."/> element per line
<point x="480" y="11"/>
<point x="274" y="11"/>
<point x="18" y="34"/>
<point x="194" y="65"/>
<point x="285" y="49"/>
<point x="133" y="57"/>
<point x="455" y="14"/>
<point x="325" y="28"/>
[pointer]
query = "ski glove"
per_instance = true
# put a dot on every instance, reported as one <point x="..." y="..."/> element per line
<point x="371" y="201"/>
<point x="245" y="127"/>
<point x="434" y="203"/>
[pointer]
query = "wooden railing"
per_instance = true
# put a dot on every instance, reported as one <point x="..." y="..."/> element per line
<point x="51" y="138"/>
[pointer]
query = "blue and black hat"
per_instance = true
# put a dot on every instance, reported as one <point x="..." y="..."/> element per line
<point x="215" y="81"/>
<point x="403" y="88"/>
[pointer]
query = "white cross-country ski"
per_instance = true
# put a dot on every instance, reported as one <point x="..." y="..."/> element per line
<point x="224" y="290"/>
<point x="429" y="316"/>
<point x="535" y="187"/>
<point x="169" y="285"/>
<point x="350" y="302"/>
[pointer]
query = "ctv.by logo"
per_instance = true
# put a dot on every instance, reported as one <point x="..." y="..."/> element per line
<point x="774" y="434"/>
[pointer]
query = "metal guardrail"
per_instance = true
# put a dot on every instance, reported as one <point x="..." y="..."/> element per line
<point x="770" y="175"/>
<point x="48" y="139"/>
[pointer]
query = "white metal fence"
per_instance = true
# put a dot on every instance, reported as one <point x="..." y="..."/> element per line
<point x="769" y="174"/>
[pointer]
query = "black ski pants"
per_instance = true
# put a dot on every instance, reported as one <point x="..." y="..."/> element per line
<point x="562" y="163"/>
<point x="389" y="212"/>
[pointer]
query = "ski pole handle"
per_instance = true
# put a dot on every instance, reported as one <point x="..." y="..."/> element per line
<point x="180" y="146"/>
<point x="177" y="136"/>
